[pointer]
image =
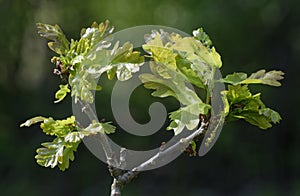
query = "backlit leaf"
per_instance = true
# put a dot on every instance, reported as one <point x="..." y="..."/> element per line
<point x="56" y="153"/>
<point x="260" y="77"/>
<point x="62" y="93"/>
<point x="32" y="121"/>
<point x="59" y="43"/>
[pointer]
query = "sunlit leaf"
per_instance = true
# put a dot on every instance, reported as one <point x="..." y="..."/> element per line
<point x="60" y="44"/>
<point x="260" y="77"/>
<point x="200" y="35"/>
<point x="235" y="78"/>
<point x="96" y="127"/>
<point x="241" y="104"/>
<point x="56" y="153"/>
<point x="238" y="93"/>
<point x="270" y="78"/>
<point x="62" y="93"/>
<point x="58" y="128"/>
<point x="187" y="117"/>
<point x="32" y="121"/>
<point x="185" y="67"/>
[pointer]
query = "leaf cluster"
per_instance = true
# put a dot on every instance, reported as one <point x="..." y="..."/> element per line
<point x="177" y="62"/>
<point x="68" y="135"/>
<point x="178" y="65"/>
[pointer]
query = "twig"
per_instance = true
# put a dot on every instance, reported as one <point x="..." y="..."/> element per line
<point x="109" y="153"/>
<point x="122" y="177"/>
<point x="180" y="145"/>
<point x="125" y="177"/>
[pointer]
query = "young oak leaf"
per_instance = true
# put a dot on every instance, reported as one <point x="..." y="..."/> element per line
<point x="235" y="78"/>
<point x="62" y="93"/>
<point x="241" y="104"/>
<point x="59" y="128"/>
<point x="200" y="35"/>
<point x="97" y="127"/>
<point x="196" y="50"/>
<point x="271" y="114"/>
<point x="160" y="53"/>
<point x="61" y="150"/>
<point x="173" y="80"/>
<point x="56" y="153"/>
<point x="59" y="43"/>
<point x="33" y="120"/>
<point x="96" y="32"/>
<point x="184" y="67"/>
<point x="260" y="77"/>
<point x="187" y="116"/>
<point x="238" y="93"/>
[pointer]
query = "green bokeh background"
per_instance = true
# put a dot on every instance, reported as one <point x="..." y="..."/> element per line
<point x="249" y="34"/>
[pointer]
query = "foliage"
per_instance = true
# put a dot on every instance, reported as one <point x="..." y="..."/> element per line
<point x="260" y="77"/>
<point x="241" y="104"/>
<point x="178" y="65"/>
<point x="68" y="136"/>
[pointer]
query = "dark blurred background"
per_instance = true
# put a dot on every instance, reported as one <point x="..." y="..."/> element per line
<point x="249" y="34"/>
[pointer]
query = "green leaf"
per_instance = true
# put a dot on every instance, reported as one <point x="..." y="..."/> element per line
<point x="111" y="73"/>
<point x="61" y="150"/>
<point x="255" y="119"/>
<point x="159" y="53"/>
<point x="235" y="78"/>
<point x="76" y="136"/>
<point x="58" y="128"/>
<point x="200" y="35"/>
<point x="160" y="89"/>
<point x="125" y="54"/>
<point x="96" y="32"/>
<point x="82" y="84"/>
<point x="68" y="155"/>
<point x="96" y="127"/>
<point x="169" y="81"/>
<point x="173" y="80"/>
<point x="120" y="61"/>
<point x="56" y="153"/>
<point x="187" y="116"/>
<point x="60" y="44"/>
<point x="51" y="154"/>
<point x="108" y="128"/>
<point x="32" y="121"/>
<point x="260" y="77"/>
<point x="62" y="93"/>
<point x="185" y="67"/>
<point x="271" y="114"/>
<point x="238" y="93"/>
<point x="241" y="104"/>
<point x="195" y="50"/>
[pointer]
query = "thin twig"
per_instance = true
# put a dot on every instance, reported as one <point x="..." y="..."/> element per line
<point x="180" y="145"/>
<point x="122" y="177"/>
<point x="126" y="177"/>
<point x="109" y="153"/>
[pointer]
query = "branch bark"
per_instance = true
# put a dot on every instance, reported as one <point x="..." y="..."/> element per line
<point x="122" y="178"/>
